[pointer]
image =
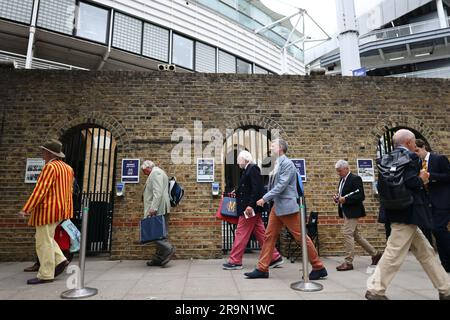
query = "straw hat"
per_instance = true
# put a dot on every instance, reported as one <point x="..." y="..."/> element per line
<point x="55" y="147"/>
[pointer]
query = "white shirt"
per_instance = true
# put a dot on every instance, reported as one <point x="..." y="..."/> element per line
<point x="341" y="185"/>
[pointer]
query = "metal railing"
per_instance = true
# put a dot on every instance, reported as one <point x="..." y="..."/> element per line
<point x="401" y="31"/>
<point x="37" y="63"/>
<point x="432" y="73"/>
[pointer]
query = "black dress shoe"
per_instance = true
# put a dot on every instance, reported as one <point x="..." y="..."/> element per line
<point x="34" y="268"/>
<point x="38" y="281"/>
<point x="255" y="274"/>
<point x="61" y="267"/>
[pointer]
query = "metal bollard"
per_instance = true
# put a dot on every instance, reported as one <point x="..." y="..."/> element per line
<point x="80" y="291"/>
<point x="306" y="284"/>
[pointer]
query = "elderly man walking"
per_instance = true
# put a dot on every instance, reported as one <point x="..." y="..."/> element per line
<point x="285" y="211"/>
<point x="157" y="202"/>
<point x="405" y="234"/>
<point x="49" y="204"/>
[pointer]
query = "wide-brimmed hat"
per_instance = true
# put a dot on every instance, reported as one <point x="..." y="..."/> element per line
<point x="55" y="147"/>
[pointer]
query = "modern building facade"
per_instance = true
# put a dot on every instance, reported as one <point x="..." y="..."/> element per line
<point x="194" y="36"/>
<point x="408" y="38"/>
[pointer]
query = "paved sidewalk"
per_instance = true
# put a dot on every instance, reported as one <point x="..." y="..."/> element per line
<point x="205" y="279"/>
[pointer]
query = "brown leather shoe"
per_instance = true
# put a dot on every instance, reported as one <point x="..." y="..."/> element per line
<point x="376" y="258"/>
<point x="33" y="268"/>
<point x="442" y="297"/>
<point x="372" y="296"/>
<point x="345" y="267"/>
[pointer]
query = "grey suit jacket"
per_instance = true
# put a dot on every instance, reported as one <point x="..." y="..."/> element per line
<point x="283" y="189"/>
<point x="156" y="192"/>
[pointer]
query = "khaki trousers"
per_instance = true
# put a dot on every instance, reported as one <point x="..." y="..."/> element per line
<point x="350" y="231"/>
<point x="48" y="251"/>
<point x="404" y="237"/>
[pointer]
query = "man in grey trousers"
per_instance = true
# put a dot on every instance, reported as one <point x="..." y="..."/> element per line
<point x="157" y="202"/>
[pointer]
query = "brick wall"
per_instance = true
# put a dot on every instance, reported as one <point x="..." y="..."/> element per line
<point x="323" y="119"/>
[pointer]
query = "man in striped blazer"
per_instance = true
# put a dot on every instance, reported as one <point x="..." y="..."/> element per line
<point x="49" y="204"/>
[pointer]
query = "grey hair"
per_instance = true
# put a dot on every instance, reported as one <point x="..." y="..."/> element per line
<point x="245" y="155"/>
<point x="147" y="164"/>
<point x="282" y="143"/>
<point x="401" y="137"/>
<point x="341" y="164"/>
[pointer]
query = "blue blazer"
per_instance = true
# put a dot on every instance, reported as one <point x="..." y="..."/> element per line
<point x="439" y="185"/>
<point x="250" y="189"/>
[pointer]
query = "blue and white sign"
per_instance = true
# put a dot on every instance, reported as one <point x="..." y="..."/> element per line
<point x="301" y="167"/>
<point x="366" y="170"/>
<point x="361" y="72"/>
<point x="130" y="170"/>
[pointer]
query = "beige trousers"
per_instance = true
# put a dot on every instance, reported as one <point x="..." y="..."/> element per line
<point x="48" y="251"/>
<point x="350" y="231"/>
<point x="404" y="237"/>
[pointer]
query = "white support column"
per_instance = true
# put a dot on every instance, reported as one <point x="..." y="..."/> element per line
<point x="443" y="19"/>
<point x="348" y="36"/>
<point x="30" y="48"/>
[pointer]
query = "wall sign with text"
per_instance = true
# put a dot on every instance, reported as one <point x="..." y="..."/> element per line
<point x="205" y="169"/>
<point x="130" y="170"/>
<point x="366" y="170"/>
<point x="33" y="169"/>
<point x="300" y="164"/>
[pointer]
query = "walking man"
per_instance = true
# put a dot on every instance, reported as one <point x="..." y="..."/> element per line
<point x="285" y="212"/>
<point x="405" y="232"/>
<point x="49" y="204"/>
<point x="157" y="202"/>
<point x="349" y="200"/>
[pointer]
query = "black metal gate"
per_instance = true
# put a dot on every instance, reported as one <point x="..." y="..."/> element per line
<point x="91" y="152"/>
<point x="386" y="144"/>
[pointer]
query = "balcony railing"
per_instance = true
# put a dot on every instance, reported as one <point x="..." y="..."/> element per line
<point x="36" y="63"/>
<point x="432" y="73"/>
<point x="401" y="31"/>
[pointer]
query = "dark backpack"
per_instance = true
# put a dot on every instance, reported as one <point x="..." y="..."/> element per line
<point x="176" y="192"/>
<point x="394" y="195"/>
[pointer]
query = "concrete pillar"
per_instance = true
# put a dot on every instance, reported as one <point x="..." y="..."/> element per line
<point x="348" y="36"/>
<point x="30" y="48"/>
<point x="443" y="19"/>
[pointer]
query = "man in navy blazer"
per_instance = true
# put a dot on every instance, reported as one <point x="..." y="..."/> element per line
<point x="349" y="200"/>
<point x="438" y="167"/>
<point x="250" y="190"/>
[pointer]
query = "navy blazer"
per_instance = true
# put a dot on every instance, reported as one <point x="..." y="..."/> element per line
<point x="250" y="189"/>
<point x="419" y="212"/>
<point x="439" y="185"/>
<point x="353" y="206"/>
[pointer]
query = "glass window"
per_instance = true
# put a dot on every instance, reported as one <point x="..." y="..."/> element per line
<point x="227" y="63"/>
<point x="156" y="42"/>
<point x="127" y="33"/>
<point x="243" y="67"/>
<point x="16" y="10"/>
<point x="92" y="23"/>
<point x="205" y="58"/>
<point x="259" y="70"/>
<point x="57" y="15"/>
<point x="183" y="51"/>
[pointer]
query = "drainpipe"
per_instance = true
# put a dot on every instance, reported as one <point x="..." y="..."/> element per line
<point x="31" y="37"/>
<point x="348" y="37"/>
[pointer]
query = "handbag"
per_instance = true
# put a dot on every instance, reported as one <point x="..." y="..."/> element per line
<point x="74" y="234"/>
<point x="232" y="220"/>
<point x="153" y="229"/>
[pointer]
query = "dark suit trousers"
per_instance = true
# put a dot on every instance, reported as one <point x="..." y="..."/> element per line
<point x="441" y="219"/>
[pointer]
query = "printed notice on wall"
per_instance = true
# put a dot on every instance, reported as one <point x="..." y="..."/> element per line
<point x="366" y="170"/>
<point x="33" y="169"/>
<point x="205" y="170"/>
<point x="130" y="170"/>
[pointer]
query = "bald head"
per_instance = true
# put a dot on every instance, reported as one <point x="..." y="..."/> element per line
<point x="406" y="138"/>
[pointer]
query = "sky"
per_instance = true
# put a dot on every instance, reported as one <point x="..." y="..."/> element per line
<point x="322" y="11"/>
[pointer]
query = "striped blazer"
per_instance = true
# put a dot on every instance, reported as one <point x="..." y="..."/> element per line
<point x="51" y="200"/>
